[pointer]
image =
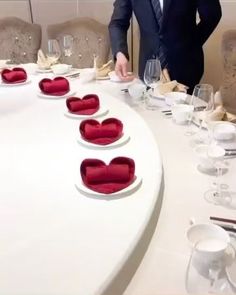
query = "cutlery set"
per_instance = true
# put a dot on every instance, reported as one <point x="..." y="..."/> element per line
<point x="225" y="223"/>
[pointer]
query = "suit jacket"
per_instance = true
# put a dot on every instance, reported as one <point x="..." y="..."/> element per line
<point x="179" y="33"/>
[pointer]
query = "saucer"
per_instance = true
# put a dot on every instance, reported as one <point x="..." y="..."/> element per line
<point x="68" y="94"/>
<point x="101" y="112"/>
<point x="15" y="84"/>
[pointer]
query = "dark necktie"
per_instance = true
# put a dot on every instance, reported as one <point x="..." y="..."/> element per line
<point x="162" y="51"/>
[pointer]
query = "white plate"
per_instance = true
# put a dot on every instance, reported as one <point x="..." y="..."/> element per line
<point x="42" y="71"/>
<point x="103" y="78"/>
<point x="70" y="93"/>
<point x="121" y="141"/>
<point x="231" y="268"/>
<point x="15" y="84"/>
<point x="124" y="192"/>
<point x="159" y="96"/>
<point x="101" y="112"/>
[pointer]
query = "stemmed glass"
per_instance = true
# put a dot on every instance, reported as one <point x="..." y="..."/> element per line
<point x="68" y="42"/>
<point x="152" y="75"/>
<point x="203" y="95"/>
<point x="54" y="51"/>
<point x="207" y="275"/>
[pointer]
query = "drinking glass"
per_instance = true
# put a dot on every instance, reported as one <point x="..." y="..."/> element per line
<point x="54" y="51"/>
<point x="68" y="45"/>
<point x="152" y="75"/>
<point x="203" y="95"/>
<point x="206" y="275"/>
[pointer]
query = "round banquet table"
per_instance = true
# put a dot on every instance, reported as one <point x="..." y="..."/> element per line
<point x="53" y="239"/>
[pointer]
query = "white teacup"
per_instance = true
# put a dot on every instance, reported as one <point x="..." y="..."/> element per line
<point x="60" y="69"/>
<point x="205" y="162"/>
<point x="175" y="98"/>
<point x="181" y="113"/>
<point x="30" y="68"/>
<point x="222" y="130"/>
<point x="209" y="239"/>
<point x="136" y="90"/>
<point x="87" y="75"/>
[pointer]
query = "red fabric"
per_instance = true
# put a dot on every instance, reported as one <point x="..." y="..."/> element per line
<point x="14" y="76"/>
<point x="106" y="132"/>
<point x="58" y="86"/>
<point x="107" y="179"/>
<point x="87" y="105"/>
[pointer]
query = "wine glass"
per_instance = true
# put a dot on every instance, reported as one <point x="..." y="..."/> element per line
<point x="152" y="75"/>
<point x="203" y="96"/>
<point x="68" y="42"/>
<point x="54" y="51"/>
<point x="207" y="275"/>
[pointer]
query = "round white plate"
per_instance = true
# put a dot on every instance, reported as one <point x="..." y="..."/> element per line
<point x="101" y="112"/>
<point x="70" y="93"/>
<point x="44" y="71"/>
<point x="159" y="96"/>
<point x="103" y="78"/>
<point x="15" y="84"/>
<point x="121" y="141"/>
<point x="125" y="192"/>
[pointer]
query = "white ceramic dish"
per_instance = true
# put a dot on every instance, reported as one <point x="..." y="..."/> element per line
<point x="103" y="78"/>
<point x="175" y="98"/>
<point x="211" y="240"/>
<point x="61" y="69"/>
<point x="136" y="90"/>
<point x="101" y="112"/>
<point x="115" y="78"/>
<point x="205" y="163"/>
<point x="125" y="192"/>
<point x="15" y="84"/>
<point x="155" y="95"/>
<point x="70" y="93"/>
<point x="43" y="71"/>
<point x="223" y="131"/>
<point x="120" y="142"/>
<point x="87" y="75"/>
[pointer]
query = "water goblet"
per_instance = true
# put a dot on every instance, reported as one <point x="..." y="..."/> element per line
<point x="54" y="51"/>
<point x="152" y="75"/>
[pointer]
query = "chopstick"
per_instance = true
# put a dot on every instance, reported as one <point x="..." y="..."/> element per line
<point x="227" y="220"/>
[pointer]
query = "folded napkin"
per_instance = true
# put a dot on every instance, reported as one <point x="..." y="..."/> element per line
<point x="58" y="86"/>
<point x="43" y="62"/>
<point x="14" y="76"/>
<point x="163" y="88"/>
<point x="106" y="132"/>
<point x="87" y="105"/>
<point x="107" y="179"/>
<point x="104" y="70"/>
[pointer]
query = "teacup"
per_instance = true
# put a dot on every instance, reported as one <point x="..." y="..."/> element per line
<point x="175" y="98"/>
<point x="222" y="130"/>
<point x="205" y="162"/>
<point x="182" y="113"/>
<point x="60" y="69"/>
<point x="136" y="90"/>
<point x="209" y="240"/>
<point x="87" y="75"/>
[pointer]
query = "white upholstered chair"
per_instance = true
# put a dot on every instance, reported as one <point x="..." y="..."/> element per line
<point x="90" y="38"/>
<point x="19" y="40"/>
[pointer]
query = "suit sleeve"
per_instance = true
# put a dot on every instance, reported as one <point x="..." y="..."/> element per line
<point x="210" y="14"/>
<point x="119" y="25"/>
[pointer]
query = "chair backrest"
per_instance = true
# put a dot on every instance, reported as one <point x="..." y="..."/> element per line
<point x="89" y="38"/>
<point x="20" y="40"/>
<point x="228" y="86"/>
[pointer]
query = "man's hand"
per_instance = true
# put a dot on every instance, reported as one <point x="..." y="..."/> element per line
<point x="121" y="68"/>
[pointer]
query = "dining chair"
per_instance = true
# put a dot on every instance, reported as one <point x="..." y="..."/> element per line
<point x="90" y="39"/>
<point x="228" y="85"/>
<point x="20" y="40"/>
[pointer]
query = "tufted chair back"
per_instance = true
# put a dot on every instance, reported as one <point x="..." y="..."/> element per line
<point x="20" y="40"/>
<point x="89" y="38"/>
<point x="228" y="86"/>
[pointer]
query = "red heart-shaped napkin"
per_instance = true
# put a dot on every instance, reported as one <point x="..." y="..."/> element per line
<point x="87" y="105"/>
<point x="58" y="86"/>
<point x="107" y="179"/>
<point x="14" y="76"/>
<point x="106" y="132"/>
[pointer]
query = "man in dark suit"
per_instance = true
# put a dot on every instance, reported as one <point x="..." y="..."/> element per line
<point x="168" y="30"/>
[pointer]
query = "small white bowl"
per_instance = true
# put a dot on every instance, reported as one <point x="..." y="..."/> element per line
<point x="181" y="113"/>
<point x="224" y="131"/>
<point x="60" y="69"/>
<point x="209" y="239"/>
<point x="87" y="75"/>
<point x="136" y="90"/>
<point x="175" y="98"/>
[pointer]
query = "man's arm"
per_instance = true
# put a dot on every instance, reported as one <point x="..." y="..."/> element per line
<point x="119" y="26"/>
<point x="210" y="15"/>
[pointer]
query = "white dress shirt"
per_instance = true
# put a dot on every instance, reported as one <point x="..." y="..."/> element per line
<point x="161" y="4"/>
